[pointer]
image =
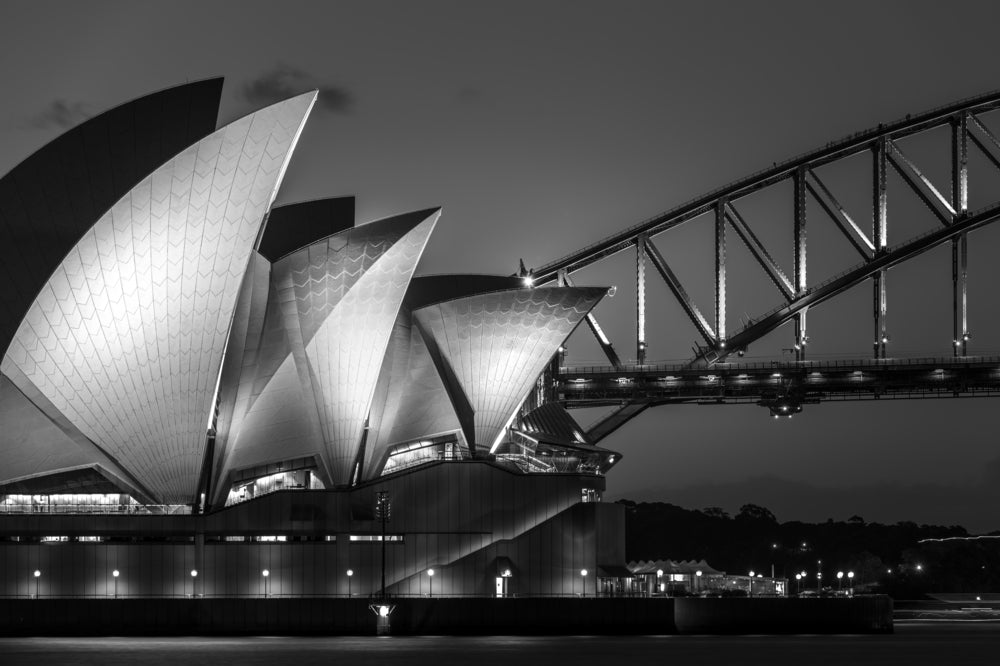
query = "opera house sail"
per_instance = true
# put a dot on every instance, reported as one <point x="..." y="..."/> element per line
<point x="173" y="342"/>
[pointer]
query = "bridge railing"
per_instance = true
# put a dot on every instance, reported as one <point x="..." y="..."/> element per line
<point x="944" y="361"/>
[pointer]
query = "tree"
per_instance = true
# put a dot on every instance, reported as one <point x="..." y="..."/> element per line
<point x="755" y="512"/>
<point x="715" y="512"/>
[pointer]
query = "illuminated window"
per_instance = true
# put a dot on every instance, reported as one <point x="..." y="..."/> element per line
<point x="376" y="537"/>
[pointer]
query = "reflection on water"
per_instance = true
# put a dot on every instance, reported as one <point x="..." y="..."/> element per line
<point x="912" y="644"/>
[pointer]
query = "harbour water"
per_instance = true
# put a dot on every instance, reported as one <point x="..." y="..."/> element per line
<point x="913" y="643"/>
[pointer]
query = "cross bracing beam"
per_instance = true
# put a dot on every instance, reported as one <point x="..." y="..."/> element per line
<point x="692" y="311"/>
<point x="859" y="273"/>
<point x="596" y="329"/>
<point x="991" y="138"/>
<point x="759" y="252"/>
<point x="837" y="150"/>
<point x="920" y="184"/>
<point x="839" y="215"/>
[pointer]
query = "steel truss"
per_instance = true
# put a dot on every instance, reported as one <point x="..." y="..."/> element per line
<point x="876" y="256"/>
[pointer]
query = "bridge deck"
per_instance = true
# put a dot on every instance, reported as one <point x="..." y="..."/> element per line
<point x="804" y="381"/>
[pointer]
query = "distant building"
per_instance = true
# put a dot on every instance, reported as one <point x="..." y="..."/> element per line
<point x="204" y="394"/>
<point x="690" y="577"/>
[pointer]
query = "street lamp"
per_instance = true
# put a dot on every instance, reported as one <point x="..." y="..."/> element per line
<point x="583" y="574"/>
<point x="115" y="574"/>
<point x="840" y="580"/>
<point x="750" y="592"/>
<point x="38" y="575"/>
<point x="697" y="579"/>
<point x="850" y="578"/>
<point x="798" y="583"/>
<point x="265" y="573"/>
<point x="350" y="573"/>
<point x="659" y="581"/>
<point x="194" y="574"/>
<point x="430" y="577"/>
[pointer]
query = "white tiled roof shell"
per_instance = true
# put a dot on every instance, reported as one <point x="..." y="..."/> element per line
<point x="127" y="336"/>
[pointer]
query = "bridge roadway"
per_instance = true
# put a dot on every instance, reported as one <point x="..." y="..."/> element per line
<point x="777" y="383"/>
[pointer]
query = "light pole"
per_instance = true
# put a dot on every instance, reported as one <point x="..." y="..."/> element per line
<point x="114" y="574"/>
<point x="750" y="592"/>
<point x="265" y="573"/>
<point x="850" y="578"/>
<point x="350" y="574"/>
<point x="819" y="575"/>
<point x="697" y="580"/>
<point x="583" y="574"/>
<point x="430" y="579"/>
<point x="840" y="581"/>
<point x="38" y="574"/>
<point x="659" y="584"/>
<point x="194" y="574"/>
<point x="383" y="509"/>
<point x="798" y="583"/>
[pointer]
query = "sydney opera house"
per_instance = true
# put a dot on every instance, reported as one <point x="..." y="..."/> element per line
<point x="205" y="394"/>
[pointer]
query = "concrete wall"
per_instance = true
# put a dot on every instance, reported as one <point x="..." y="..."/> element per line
<point x="457" y="518"/>
<point x="444" y="616"/>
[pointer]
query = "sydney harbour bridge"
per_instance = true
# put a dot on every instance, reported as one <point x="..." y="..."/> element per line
<point x="719" y="371"/>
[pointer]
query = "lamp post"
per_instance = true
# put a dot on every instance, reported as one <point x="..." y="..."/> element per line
<point x="114" y="574"/>
<point x="819" y="575"/>
<point x="659" y="583"/>
<point x="37" y="574"/>
<point x="697" y="580"/>
<point x="383" y="509"/>
<point x="840" y="581"/>
<point x="266" y="574"/>
<point x="583" y="574"/>
<point x="430" y="579"/>
<point x="798" y="583"/>
<point x="750" y="591"/>
<point x="850" y="579"/>
<point x="194" y="575"/>
<point x="350" y="574"/>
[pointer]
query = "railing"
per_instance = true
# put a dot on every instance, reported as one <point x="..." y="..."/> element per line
<point x="683" y="368"/>
<point x="103" y="509"/>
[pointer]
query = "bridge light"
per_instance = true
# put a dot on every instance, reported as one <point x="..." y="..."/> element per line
<point x="885" y="339"/>
<point x="528" y="281"/>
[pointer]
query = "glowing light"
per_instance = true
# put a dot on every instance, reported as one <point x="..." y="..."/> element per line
<point x="659" y="573"/>
<point x="350" y="572"/>
<point x="528" y="281"/>
<point x="850" y="574"/>
<point x="194" y="573"/>
<point x="115" y="573"/>
<point x="383" y="611"/>
<point x="698" y="573"/>
<point x="583" y="572"/>
<point x="430" y="572"/>
<point x="265" y="573"/>
<point x="840" y="574"/>
<point x="37" y="573"/>
<point x="751" y="574"/>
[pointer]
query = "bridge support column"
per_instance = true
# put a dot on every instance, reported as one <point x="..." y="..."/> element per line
<point x="960" y="245"/>
<point x="640" y="298"/>
<point x="879" y="234"/>
<point x="720" y="273"/>
<point x="799" y="276"/>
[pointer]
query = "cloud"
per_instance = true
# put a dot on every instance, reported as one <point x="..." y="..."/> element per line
<point x="284" y="81"/>
<point x="60" y="113"/>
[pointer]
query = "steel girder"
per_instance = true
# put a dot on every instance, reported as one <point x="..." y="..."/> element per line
<point x="882" y="142"/>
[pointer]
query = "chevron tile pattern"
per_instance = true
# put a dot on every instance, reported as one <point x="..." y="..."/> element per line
<point x="127" y="336"/>
<point x="498" y="343"/>
<point x="330" y="311"/>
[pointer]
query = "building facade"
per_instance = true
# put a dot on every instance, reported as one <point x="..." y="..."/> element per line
<point x="203" y="393"/>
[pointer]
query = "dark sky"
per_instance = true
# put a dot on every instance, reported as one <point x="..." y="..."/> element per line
<point x="543" y="126"/>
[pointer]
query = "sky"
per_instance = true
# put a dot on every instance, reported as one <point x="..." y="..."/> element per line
<point x="541" y="127"/>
